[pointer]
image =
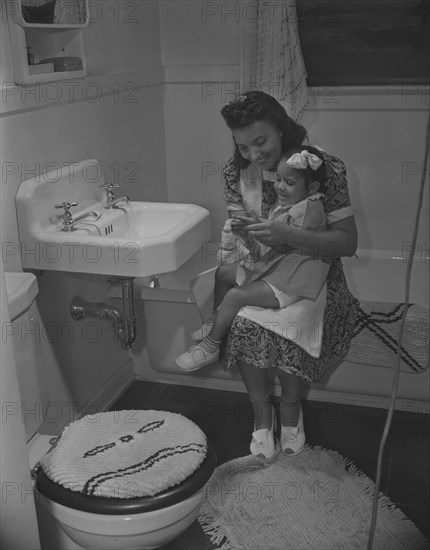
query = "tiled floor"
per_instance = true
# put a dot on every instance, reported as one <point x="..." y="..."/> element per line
<point x="354" y="432"/>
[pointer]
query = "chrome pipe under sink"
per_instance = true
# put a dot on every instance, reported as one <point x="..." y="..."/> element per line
<point x="124" y="323"/>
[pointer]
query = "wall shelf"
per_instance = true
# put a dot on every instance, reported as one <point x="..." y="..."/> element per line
<point x="62" y="44"/>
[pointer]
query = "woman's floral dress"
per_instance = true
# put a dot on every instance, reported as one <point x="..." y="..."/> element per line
<point x="253" y="344"/>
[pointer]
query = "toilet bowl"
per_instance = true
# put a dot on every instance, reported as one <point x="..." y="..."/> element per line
<point x="69" y="520"/>
<point x="75" y="529"/>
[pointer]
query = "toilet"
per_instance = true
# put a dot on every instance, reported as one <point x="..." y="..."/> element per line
<point x="69" y="520"/>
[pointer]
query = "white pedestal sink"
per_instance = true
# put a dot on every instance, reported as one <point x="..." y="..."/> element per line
<point x="135" y="239"/>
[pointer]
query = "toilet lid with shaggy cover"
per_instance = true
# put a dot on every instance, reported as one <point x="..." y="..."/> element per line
<point x="126" y="454"/>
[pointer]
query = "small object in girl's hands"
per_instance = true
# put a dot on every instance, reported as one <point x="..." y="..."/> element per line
<point x="255" y="216"/>
<point x="238" y="222"/>
<point x="237" y="213"/>
<point x="244" y="220"/>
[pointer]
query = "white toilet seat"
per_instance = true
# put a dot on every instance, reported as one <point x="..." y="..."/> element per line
<point x="111" y="507"/>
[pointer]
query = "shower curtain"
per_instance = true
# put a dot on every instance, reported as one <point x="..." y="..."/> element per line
<point x="271" y="56"/>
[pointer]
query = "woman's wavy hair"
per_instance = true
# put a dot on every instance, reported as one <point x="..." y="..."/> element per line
<point x="253" y="106"/>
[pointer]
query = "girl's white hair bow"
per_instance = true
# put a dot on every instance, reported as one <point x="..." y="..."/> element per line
<point x="304" y="160"/>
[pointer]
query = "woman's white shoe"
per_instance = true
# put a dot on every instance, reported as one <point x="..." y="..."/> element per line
<point x="264" y="444"/>
<point x="293" y="438"/>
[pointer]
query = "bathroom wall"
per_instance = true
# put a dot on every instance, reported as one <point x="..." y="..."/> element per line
<point x="116" y="116"/>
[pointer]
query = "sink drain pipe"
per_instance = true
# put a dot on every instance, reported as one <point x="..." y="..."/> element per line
<point x="124" y="324"/>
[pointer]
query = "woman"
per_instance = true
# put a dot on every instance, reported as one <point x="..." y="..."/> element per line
<point x="262" y="133"/>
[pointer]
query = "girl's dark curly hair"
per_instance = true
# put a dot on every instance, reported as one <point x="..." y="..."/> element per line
<point x="253" y="106"/>
<point x="319" y="175"/>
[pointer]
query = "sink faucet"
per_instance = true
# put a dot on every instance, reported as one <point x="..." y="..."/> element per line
<point x="73" y="222"/>
<point x="111" y="201"/>
<point x="67" y="219"/>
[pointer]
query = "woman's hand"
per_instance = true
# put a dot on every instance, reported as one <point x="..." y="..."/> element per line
<point x="268" y="232"/>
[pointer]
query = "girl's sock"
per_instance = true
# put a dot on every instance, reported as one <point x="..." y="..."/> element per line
<point x="204" y="330"/>
<point x="210" y="344"/>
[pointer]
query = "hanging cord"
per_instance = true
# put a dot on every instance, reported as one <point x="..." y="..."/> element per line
<point x="399" y="343"/>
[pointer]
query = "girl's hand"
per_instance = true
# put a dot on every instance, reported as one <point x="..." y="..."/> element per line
<point x="239" y="222"/>
<point x="268" y="232"/>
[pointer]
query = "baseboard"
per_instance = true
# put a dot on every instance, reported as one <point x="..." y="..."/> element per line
<point x="363" y="400"/>
<point x="327" y="396"/>
<point x="113" y="388"/>
<point x="193" y="381"/>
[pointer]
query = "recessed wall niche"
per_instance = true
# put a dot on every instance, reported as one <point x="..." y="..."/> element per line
<point x="47" y="39"/>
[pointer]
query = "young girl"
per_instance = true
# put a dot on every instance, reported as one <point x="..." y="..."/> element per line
<point x="272" y="277"/>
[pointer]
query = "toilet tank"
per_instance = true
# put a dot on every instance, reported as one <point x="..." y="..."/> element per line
<point x="26" y="331"/>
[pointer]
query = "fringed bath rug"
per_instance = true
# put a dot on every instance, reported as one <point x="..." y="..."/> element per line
<point x="126" y="454"/>
<point x="316" y="500"/>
